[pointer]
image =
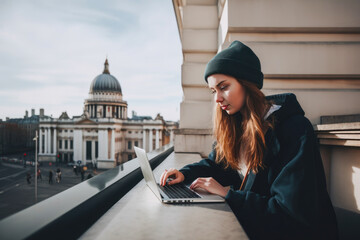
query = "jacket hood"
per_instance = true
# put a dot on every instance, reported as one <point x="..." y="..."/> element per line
<point x="289" y="106"/>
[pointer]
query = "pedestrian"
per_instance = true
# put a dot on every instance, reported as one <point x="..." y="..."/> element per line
<point x="82" y="172"/>
<point x="50" y="177"/>
<point x="266" y="161"/>
<point x="75" y="170"/>
<point x="39" y="174"/>
<point x="58" y="175"/>
<point x="28" y="178"/>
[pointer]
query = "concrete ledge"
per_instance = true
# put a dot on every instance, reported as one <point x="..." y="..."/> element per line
<point x="70" y="213"/>
<point x="140" y="215"/>
<point x="340" y="119"/>
<point x="339" y="134"/>
<point x="337" y="126"/>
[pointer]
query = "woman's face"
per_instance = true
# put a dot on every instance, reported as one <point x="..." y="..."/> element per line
<point x="229" y="94"/>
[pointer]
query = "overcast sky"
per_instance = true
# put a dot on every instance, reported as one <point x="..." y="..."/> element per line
<point x="50" y="51"/>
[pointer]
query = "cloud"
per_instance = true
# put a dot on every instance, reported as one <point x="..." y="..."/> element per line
<point x="50" y="51"/>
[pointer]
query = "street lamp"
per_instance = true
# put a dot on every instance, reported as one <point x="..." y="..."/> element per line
<point x="35" y="139"/>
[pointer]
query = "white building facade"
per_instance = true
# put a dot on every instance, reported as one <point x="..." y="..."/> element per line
<point x="103" y="135"/>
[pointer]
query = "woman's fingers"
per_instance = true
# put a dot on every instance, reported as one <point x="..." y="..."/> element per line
<point x="197" y="183"/>
<point x="210" y="185"/>
<point x="163" y="177"/>
<point x="172" y="172"/>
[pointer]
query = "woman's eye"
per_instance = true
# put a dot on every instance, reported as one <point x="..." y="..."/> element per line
<point x="223" y="87"/>
<point x="213" y="91"/>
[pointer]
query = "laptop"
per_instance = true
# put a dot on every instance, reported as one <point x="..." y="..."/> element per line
<point x="177" y="193"/>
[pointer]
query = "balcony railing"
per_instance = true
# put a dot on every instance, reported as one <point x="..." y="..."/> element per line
<point x="68" y="214"/>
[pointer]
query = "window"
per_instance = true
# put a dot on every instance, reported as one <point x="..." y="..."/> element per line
<point x="88" y="150"/>
<point x="71" y="144"/>
<point x="60" y="144"/>
<point x="129" y="144"/>
<point x="65" y="130"/>
<point x="129" y="132"/>
<point x="136" y="143"/>
<point x="66" y="144"/>
<point x="96" y="149"/>
<point x="129" y="157"/>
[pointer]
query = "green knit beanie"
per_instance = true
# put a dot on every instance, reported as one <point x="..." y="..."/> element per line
<point x="238" y="61"/>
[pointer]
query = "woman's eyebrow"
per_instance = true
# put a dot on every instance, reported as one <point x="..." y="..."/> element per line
<point x="220" y="83"/>
<point x="217" y="85"/>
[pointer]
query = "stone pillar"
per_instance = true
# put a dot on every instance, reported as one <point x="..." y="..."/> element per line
<point x="112" y="156"/>
<point x="157" y="139"/>
<point x="199" y="29"/>
<point x="83" y="159"/>
<point x="48" y="144"/>
<point x="77" y="145"/>
<point x="171" y="136"/>
<point x="93" y="158"/>
<point x="45" y="140"/>
<point x="150" y="140"/>
<point x="40" y="141"/>
<point x="103" y="144"/>
<point x="144" y="139"/>
<point x="54" y="142"/>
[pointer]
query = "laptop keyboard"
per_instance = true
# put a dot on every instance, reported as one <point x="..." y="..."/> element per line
<point x="178" y="191"/>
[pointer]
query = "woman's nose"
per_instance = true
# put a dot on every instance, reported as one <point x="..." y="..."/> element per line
<point x="218" y="98"/>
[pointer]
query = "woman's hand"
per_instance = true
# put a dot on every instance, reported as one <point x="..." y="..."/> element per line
<point x="173" y="173"/>
<point x="210" y="185"/>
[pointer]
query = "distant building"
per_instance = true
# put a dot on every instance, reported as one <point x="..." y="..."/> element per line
<point x="103" y="135"/>
<point x="17" y="134"/>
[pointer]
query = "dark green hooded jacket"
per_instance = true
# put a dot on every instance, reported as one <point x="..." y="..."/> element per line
<point x="287" y="199"/>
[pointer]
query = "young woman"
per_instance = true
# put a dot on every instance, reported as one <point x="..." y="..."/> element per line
<point x="266" y="162"/>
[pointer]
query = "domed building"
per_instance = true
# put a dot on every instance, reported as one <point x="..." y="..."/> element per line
<point x="103" y="136"/>
<point x="105" y="97"/>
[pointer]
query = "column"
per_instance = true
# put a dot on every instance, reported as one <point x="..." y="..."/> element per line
<point x="112" y="144"/>
<point x="171" y="136"/>
<point x="49" y="141"/>
<point x="93" y="152"/>
<point x="77" y="145"/>
<point x="45" y="140"/>
<point x="150" y="140"/>
<point x="54" y="141"/>
<point x="144" y="139"/>
<point x="157" y="139"/>
<point x="83" y="157"/>
<point x="40" y="141"/>
<point x="102" y="144"/>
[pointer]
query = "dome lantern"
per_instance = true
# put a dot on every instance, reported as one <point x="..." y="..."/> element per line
<point x="106" y="67"/>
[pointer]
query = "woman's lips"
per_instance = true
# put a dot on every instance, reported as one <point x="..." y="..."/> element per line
<point x="224" y="107"/>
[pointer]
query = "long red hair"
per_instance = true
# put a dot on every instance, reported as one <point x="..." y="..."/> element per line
<point x="244" y="130"/>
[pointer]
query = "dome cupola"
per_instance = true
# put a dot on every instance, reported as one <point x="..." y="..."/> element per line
<point x="105" y="82"/>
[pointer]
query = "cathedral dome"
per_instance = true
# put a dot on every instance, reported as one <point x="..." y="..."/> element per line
<point x="105" y="82"/>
